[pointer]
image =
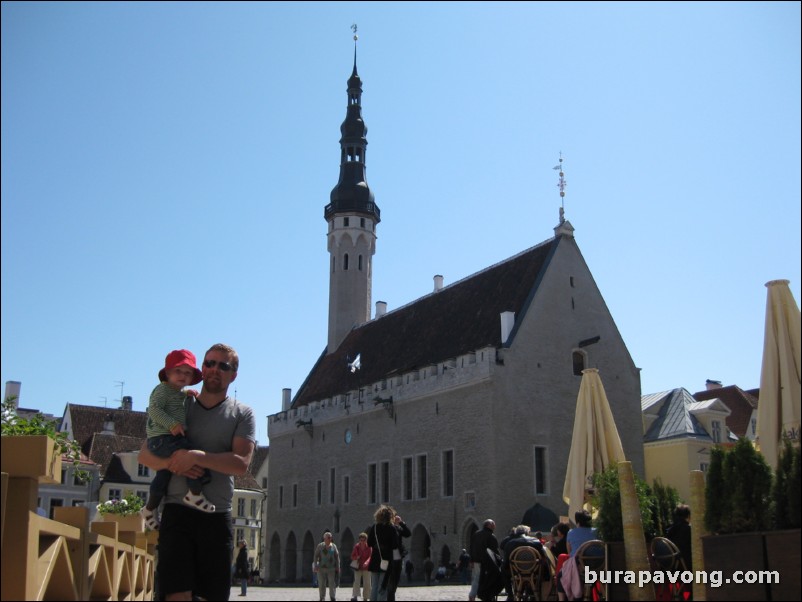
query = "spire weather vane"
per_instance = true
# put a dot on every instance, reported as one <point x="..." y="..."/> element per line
<point x="561" y="184"/>
<point x="353" y="28"/>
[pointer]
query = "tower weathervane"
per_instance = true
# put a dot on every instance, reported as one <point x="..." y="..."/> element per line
<point x="353" y="28"/>
<point x="561" y="184"/>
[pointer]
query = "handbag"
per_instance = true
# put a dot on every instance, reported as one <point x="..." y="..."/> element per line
<point x="383" y="564"/>
<point x="355" y="564"/>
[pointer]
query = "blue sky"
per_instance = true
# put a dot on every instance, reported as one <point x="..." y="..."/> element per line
<point x="165" y="168"/>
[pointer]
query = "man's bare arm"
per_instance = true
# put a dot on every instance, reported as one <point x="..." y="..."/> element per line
<point x="235" y="462"/>
<point x="149" y="459"/>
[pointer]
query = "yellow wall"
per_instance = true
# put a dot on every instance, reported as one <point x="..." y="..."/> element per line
<point x="672" y="462"/>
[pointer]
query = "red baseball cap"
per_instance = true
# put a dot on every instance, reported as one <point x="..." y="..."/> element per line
<point x="180" y="357"/>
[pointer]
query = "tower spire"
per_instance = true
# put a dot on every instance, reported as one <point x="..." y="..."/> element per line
<point x="352" y="216"/>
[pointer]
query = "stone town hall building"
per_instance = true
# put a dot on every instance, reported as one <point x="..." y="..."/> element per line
<point x="462" y="405"/>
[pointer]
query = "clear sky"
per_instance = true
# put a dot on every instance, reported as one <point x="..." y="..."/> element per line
<point x="165" y="168"/>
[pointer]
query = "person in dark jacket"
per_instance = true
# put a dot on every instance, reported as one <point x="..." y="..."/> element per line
<point x="242" y="570"/>
<point x="393" y="577"/>
<point x="481" y="541"/>
<point x="680" y="533"/>
<point x="383" y="539"/>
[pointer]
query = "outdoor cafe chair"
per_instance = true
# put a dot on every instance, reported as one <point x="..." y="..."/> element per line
<point x="526" y="566"/>
<point x="667" y="557"/>
<point x="593" y="555"/>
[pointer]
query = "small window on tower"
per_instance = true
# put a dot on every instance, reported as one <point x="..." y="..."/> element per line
<point x="360" y="263"/>
<point x="579" y="362"/>
<point x="346" y="221"/>
<point x="361" y="222"/>
<point x="345" y="261"/>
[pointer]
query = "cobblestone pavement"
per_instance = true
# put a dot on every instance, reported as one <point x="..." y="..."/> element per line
<point x="434" y="592"/>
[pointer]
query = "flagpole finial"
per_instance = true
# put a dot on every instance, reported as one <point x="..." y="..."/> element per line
<point x="354" y="29"/>
<point x="561" y="184"/>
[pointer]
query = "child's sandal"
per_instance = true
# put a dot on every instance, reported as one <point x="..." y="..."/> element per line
<point x="198" y="502"/>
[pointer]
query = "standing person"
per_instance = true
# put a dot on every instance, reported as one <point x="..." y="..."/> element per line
<point x="428" y="568"/>
<point x="480" y="542"/>
<point x="242" y="567"/>
<point x="361" y="555"/>
<point x="396" y="565"/>
<point x="464" y="566"/>
<point x="166" y="431"/>
<point x="327" y="565"/>
<point x="680" y="533"/>
<point x="195" y="548"/>
<point x="383" y="539"/>
<point x="409" y="568"/>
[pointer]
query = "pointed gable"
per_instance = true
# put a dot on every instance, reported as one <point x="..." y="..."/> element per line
<point x="455" y="320"/>
<point x="741" y="404"/>
<point x="673" y="416"/>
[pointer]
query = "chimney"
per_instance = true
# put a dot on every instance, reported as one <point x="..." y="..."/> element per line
<point x="712" y="384"/>
<point x="438" y="282"/>
<point x="507" y="322"/>
<point x="381" y="308"/>
<point x="286" y="399"/>
<point x="12" y="390"/>
<point x="128" y="403"/>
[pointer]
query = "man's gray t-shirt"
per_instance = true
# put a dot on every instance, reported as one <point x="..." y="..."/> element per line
<point x="213" y="431"/>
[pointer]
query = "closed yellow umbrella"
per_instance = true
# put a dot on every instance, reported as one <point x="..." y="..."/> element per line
<point x="595" y="443"/>
<point x="778" y="410"/>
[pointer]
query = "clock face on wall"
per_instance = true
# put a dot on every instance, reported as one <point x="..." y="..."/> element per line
<point x="348" y="435"/>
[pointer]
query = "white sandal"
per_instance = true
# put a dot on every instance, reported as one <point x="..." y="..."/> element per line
<point x="198" y="502"/>
<point x="150" y="519"/>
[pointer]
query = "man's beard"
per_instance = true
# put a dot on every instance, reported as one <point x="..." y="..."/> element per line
<point x="214" y="386"/>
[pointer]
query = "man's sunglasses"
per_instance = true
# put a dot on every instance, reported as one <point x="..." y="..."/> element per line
<point x="224" y="366"/>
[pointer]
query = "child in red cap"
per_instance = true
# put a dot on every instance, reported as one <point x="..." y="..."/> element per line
<point x="166" y="430"/>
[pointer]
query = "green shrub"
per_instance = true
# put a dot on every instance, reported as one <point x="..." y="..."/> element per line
<point x="737" y="495"/>
<point x="666" y="499"/>
<point x="785" y="492"/>
<point x="607" y="500"/>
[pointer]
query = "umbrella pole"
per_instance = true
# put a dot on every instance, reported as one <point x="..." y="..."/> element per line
<point x="698" y="530"/>
<point x="637" y="558"/>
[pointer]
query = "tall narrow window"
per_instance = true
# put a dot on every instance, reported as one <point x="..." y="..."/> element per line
<point x="385" y="482"/>
<point x="345" y="261"/>
<point x="372" y="492"/>
<point x="295" y="495"/>
<point x="331" y="486"/>
<point x="422" y="477"/>
<point x="407" y="479"/>
<point x="346" y="490"/>
<point x="281" y="496"/>
<point x="579" y="362"/>
<point x="319" y="492"/>
<point x="716" y="431"/>
<point x="240" y="507"/>
<point x="540" y="470"/>
<point x="448" y="473"/>
<point x="360" y="263"/>
<point x="253" y="508"/>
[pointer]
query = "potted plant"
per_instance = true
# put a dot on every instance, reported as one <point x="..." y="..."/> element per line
<point x="737" y="513"/>
<point x="125" y="512"/>
<point x="610" y="523"/>
<point x="32" y="447"/>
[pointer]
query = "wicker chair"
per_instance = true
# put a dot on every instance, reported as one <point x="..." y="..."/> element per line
<point x="667" y="557"/>
<point x="593" y="555"/>
<point x="526" y="566"/>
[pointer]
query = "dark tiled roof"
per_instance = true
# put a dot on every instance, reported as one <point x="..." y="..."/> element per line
<point x="102" y="448"/>
<point x="259" y="457"/>
<point x="740" y="403"/>
<point x="246" y="481"/>
<point x="458" y="319"/>
<point x="89" y="420"/>
<point x="115" y="473"/>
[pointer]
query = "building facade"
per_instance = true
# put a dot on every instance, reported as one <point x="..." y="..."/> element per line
<point x="456" y="407"/>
